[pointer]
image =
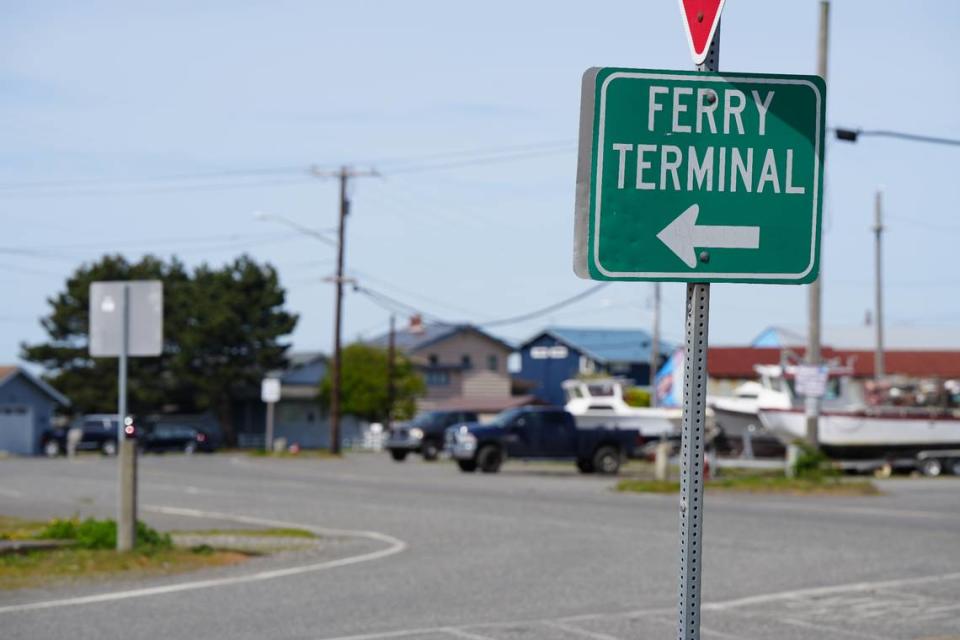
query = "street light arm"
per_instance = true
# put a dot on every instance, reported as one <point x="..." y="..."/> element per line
<point x="851" y="135"/>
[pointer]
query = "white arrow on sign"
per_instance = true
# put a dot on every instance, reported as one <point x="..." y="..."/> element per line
<point x="683" y="234"/>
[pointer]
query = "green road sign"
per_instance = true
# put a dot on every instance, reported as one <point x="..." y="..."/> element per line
<point x="699" y="177"/>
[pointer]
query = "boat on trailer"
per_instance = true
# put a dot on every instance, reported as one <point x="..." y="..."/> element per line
<point x="928" y="435"/>
<point x="738" y="416"/>
<point x="601" y="403"/>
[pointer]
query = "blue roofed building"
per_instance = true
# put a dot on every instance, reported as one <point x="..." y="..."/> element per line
<point x="560" y="353"/>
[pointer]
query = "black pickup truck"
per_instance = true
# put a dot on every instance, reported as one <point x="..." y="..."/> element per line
<point x="539" y="432"/>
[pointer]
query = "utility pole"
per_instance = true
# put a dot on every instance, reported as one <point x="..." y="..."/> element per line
<point x="815" y="292"/>
<point x="391" y="355"/>
<point x="343" y="174"/>
<point x="655" y="345"/>
<point x="878" y="363"/>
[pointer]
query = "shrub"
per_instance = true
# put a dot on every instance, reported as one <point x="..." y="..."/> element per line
<point x="637" y="397"/>
<point x="102" y="534"/>
<point x="812" y="463"/>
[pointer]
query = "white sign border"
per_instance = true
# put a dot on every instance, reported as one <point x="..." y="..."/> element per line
<point x="698" y="58"/>
<point x="711" y="275"/>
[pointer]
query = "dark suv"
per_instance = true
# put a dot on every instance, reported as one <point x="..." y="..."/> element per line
<point x="160" y="437"/>
<point x="99" y="433"/>
<point x="424" y="434"/>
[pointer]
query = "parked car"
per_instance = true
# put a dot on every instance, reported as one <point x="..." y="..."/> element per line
<point x="98" y="433"/>
<point x="161" y="437"/>
<point x="540" y="432"/>
<point x="424" y="434"/>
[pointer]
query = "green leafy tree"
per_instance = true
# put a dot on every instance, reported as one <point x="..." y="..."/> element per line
<point x="222" y="332"/>
<point x="364" y="384"/>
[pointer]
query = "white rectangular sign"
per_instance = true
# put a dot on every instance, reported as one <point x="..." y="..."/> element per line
<point x="145" y="315"/>
<point x="270" y="390"/>
<point x="811" y="381"/>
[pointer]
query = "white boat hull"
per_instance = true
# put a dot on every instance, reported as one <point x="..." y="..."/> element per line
<point x="651" y="423"/>
<point x="869" y="433"/>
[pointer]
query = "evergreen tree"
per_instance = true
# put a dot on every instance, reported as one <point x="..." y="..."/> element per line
<point x="222" y="331"/>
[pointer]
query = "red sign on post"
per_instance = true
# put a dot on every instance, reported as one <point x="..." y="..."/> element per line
<point x="701" y="18"/>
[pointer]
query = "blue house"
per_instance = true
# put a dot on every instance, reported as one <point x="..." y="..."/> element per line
<point x="560" y="353"/>
<point x="27" y="405"/>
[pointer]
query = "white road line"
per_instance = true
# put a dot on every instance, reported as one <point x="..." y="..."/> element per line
<point x="704" y="630"/>
<point x="460" y="633"/>
<point x="659" y="612"/>
<point x="395" y="545"/>
<point x="569" y="628"/>
<point x="825" y="591"/>
<point x="833" y="631"/>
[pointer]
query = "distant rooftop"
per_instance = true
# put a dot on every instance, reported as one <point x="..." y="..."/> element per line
<point x="864" y="337"/>
<point x="420" y="335"/>
<point x="607" y="345"/>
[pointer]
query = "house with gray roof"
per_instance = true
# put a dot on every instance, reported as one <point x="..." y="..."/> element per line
<point x="464" y="367"/>
<point x="298" y="417"/>
<point x="27" y="406"/>
<point x="560" y="353"/>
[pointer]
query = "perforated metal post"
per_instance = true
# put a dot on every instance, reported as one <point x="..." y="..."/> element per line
<point x="693" y="435"/>
<point x="126" y="448"/>
<point x="691" y="458"/>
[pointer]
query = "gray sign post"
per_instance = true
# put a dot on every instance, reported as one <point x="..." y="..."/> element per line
<point x="270" y="391"/>
<point x="694" y="433"/>
<point x="126" y="319"/>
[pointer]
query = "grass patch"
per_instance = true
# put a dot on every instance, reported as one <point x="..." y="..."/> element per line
<point x="93" y="553"/>
<point x="42" y="568"/>
<point x="763" y="483"/>
<point x="18" y="529"/>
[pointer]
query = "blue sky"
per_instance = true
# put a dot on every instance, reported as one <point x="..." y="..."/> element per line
<point x="125" y="93"/>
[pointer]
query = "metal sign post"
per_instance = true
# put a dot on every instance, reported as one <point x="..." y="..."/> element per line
<point x="693" y="432"/>
<point x="270" y="392"/>
<point x="698" y="177"/>
<point x="126" y="447"/>
<point x="126" y="319"/>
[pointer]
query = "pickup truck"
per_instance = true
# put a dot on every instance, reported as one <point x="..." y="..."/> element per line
<point x="539" y="433"/>
<point x="424" y="434"/>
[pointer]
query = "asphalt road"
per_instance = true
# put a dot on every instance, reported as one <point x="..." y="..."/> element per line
<point x="530" y="553"/>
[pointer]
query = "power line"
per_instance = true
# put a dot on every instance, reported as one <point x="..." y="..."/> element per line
<point x="532" y="146"/>
<point x="480" y="161"/>
<point x="278" y="176"/>
<point x="545" y="310"/>
<point x="366" y="276"/>
<point x="80" y="182"/>
<point x="389" y="303"/>
<point x="133" y="190"/>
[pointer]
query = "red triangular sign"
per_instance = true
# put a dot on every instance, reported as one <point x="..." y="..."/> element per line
<point x="701" y="18"/>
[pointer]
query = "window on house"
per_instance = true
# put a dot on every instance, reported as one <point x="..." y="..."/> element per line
<point x="493" y="363"/>
<point x="432" y="359"/>
<point x="437" y="378"/>
<point x="466" y="361"/>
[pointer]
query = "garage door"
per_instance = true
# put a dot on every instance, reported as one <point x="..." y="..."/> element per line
<point x="16" y="430"/>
